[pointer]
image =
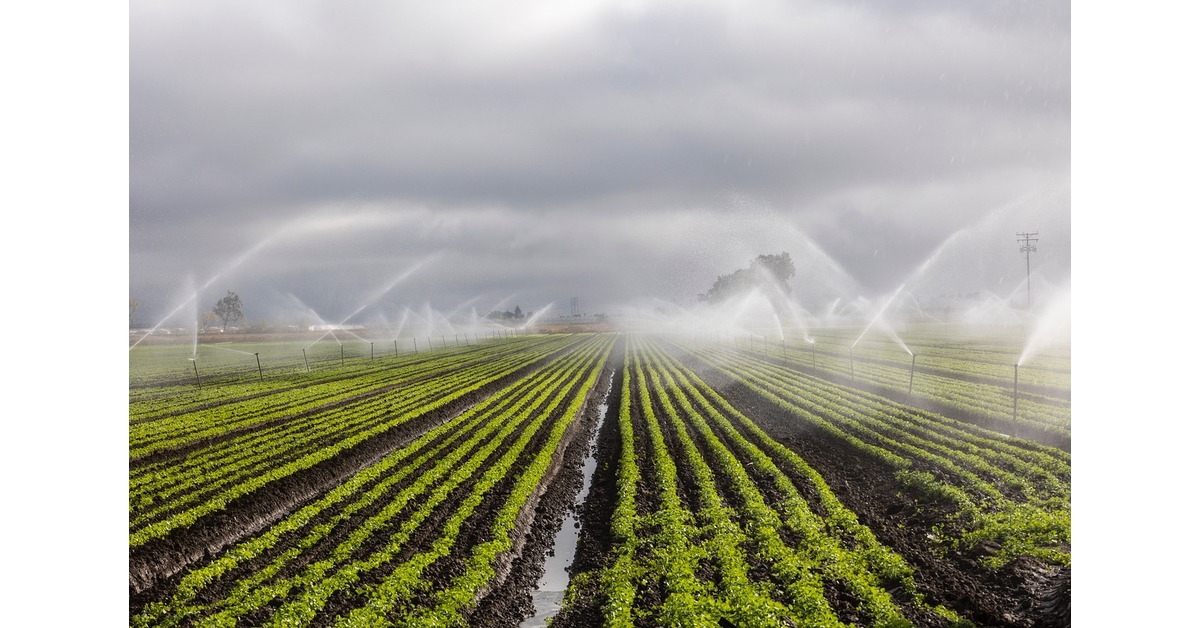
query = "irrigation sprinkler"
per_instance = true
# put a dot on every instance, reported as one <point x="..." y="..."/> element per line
<point x="443" y="342"/>
<point x="851" y="364"/>
<point x="783" y="345"/>
<point x="306" y="367"/>
<point x="430" y="342"/>
<point x="197" y="370"/>
<point x="343" y="348"/>
<point x="396" y="346"/>
<point x="912" y="369"/>
<point x="260" y="375"/>
<point x="456" y="341"/>
<point x="814" y="353"/>
<point x="372" y="350"/>
<point x="414" y="344"/>
<point x="1014" y="422"/>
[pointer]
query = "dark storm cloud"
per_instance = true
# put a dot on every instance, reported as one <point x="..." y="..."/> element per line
<point x="560" y="150"/>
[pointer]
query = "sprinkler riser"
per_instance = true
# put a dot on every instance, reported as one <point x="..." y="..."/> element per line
<point x="1014" y="419"/>
<point x="912" y="369"/>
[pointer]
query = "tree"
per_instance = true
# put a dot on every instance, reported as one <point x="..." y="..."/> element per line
<point x="208" y="319"/>
<point x="517" y="313"/>
<point x="777" y="269"/>
<point x="228" y="309"/>
<point x="133" y="306"/>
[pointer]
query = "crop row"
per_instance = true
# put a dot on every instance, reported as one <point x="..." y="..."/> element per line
<point x="170" y="494"/>
<point x="979" y="360"/>
<point x="368" y="543"/>
<point x="307" y="422"/>
<point x="711" y="528"/>
<point x="195" y="416"/>
<point x="176" y="395"/>
<point x="1014" y="493"/>
<point x="987" y="401"/>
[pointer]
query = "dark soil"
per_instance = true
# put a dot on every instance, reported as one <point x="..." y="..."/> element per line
<point x="511" y="601"/>
<point x="1042" y="435"/>
<point x="153" y="565"/>
<point x="1022" y="594"/>
<point x="592" y="550"/>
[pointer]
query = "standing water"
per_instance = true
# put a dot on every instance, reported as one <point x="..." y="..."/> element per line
<point x="548" y="594"/>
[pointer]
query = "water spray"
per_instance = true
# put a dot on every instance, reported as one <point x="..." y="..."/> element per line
<point x="912" y="369"/>
<point x="260" y="375"/>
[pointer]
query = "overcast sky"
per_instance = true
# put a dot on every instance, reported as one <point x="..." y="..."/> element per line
<point x="339" y="154"/>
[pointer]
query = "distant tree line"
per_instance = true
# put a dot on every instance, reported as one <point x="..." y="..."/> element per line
<point x="515" y="314"/>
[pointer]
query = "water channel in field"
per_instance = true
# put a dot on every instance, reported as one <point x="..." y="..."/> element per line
<point x="548" y="594"/>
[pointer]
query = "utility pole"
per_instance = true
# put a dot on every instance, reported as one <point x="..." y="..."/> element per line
<point x="1028" y="245"/>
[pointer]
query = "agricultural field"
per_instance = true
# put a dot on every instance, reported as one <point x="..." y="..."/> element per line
<point x="737" y="482"/>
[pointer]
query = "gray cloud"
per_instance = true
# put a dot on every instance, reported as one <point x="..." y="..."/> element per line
<point x="611" y="153"/>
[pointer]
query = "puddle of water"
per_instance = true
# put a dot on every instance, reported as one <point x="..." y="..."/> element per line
<point x="548" y="595"/>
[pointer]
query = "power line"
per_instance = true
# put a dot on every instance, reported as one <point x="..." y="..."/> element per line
<point x="1026" y="247"/>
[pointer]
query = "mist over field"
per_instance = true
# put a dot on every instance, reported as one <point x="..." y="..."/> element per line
<point x="358" y="160"/>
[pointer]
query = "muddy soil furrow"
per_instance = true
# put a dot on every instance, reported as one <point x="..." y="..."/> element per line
<point x="298" y="448"/>
<point x="509" y="599"/>
<point x="220" y="589"/>
<point x="342" y="602"/>
<point x="477" y="527"/>
<point x="403" y="370"/>
<point x="160" y="558"/>
<point x="650" y="594"/>
<point x="1044" y="435"/>
<point x="594" y="549"/>
<point x="987" y="597"/>
<point x="180" y="451"/>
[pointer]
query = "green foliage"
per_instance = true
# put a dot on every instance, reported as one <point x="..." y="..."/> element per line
<point x="228" y="309"/>
<point x="776" y="269"/>
<point x="1014" y="494"/>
